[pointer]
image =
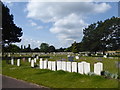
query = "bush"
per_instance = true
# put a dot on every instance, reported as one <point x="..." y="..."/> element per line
<point x="109" y="75"/>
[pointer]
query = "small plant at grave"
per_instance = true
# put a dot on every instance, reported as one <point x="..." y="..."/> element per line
<point x="109" y="75"/>
<point x="91" y="74"/>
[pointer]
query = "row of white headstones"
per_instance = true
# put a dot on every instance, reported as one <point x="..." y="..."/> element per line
<point x="79" y="67"/>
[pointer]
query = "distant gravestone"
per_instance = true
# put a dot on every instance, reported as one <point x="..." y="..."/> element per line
<point x="59" y="65"/>
<point x="68" y="55"/>
<point x="64" y="68"/>
<point x="98" y="67"/>
<point x="53" y="65"/>
<point x="29" y="59"/>
<point x="69" y="66"/>
<point x="49" y="65"/>
<point x="18" y="62"/>
<point x="80" y="68"/>
<point x="12" y="61"/>
<point x="117" y="63"/>
<point x="76" y="57"/>
<point x="105" y="56"/>
<point x="32" y="63"/>
<point x="74" y="66"/>
<point x="35" y="60"/>
<point x="45" y="64"/>
<point x="41" y="64"/>
<point x="37" y="57"/>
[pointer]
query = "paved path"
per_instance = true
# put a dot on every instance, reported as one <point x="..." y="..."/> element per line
<point x="8" y="82"/>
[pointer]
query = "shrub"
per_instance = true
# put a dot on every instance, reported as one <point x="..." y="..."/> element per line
<point x="91" y="73"/>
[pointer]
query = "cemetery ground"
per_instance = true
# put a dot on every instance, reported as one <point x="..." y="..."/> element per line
<point x="63" y="79"/>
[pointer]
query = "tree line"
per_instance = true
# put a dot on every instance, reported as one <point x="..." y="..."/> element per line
<point x="99" y="36"/>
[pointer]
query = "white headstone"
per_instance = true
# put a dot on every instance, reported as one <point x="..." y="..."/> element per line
<point x="29" y="59"/>
<point x="80" y="68"/>
<point x="18" y="62"/>
<point x="53" y="65"/>
<point x="64" y="68"/>
<point x="37" y="57"/>
<point x="77" y="57"/>
<point x="41" y="59"/>
<point x="49" y="65"/>
<point x="105" y="56"/>
<point x="68" y="55"/>
<point x="35" y="60"/>
<point x="12" y="61"/>
<point x="45" y="64"/>
<point x="86" y="67"/>
<point x="83" y="67"/>
<point x="41" y="63"/>
<point x="98" y="67"/>
<point x="69" y="66"/>
<point x="59" y="65"/>
<point x="32" y="63"/>
<point x="74" y="66"/>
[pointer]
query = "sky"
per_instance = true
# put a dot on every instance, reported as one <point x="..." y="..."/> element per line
<point x="57" y="23"/>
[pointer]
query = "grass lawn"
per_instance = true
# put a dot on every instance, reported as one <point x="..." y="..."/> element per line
<point x="61" y="79"/>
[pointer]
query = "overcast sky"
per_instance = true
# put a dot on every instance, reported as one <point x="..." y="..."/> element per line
<point x="60" y="23"/>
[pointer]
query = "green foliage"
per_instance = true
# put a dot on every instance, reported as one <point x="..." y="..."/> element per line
<point x="12" y="48"/>
<point x="52" y="49"/>
<point x="10" y="32"/>
<point x="102" y="36"/>
<point x="44" y="47"/>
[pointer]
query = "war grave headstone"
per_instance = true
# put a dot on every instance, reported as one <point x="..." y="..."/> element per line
<point x="45" y="64"/>
<point x="68" y="66"/>
<point x="59" y="65"/>
<point x="64" y="68"/>
<point x="29" y="59"/>
<point x="41" y="63"/>
<point x="32" y="63"/>
<point x="80" y="68"/>
<point x="74" y="66"/>
<point x="117" y="63"/>
<point x="76" y="57"/>
<point x="12" y="61"/>
<point x="98" y="67"/>
<point x="18" y="62"/>
<point x="35" y="60"/>
<point x="49" y="65"/>
<point x="86" y="68"/>
<point x="54" y="65"/>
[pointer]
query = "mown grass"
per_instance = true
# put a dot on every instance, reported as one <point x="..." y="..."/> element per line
<point x="56" y="79"/>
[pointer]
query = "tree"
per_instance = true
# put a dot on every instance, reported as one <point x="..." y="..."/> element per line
<point x="75" y="48"/>
<point x="10" y="32"/>
<point x="36" y="50"/>
<point x="44" y="47"/>
<point x="102" y="36"/>
<point x="12" y="48"/>
<point x="51" y="49"/>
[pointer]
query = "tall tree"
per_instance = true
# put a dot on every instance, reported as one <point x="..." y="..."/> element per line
<point x="102" y="36"/>
<point x="44" y="47"/>
<point x="10" y="32"/>
<point x="51" y="49"/>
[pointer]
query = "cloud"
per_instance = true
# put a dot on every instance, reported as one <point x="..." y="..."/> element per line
<point x="67" y="18"/>
<point x="39" y="27"/>
<point x="26" y="41"/>
<point x="69" y="28"/>
<point x="32" y="23"/>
